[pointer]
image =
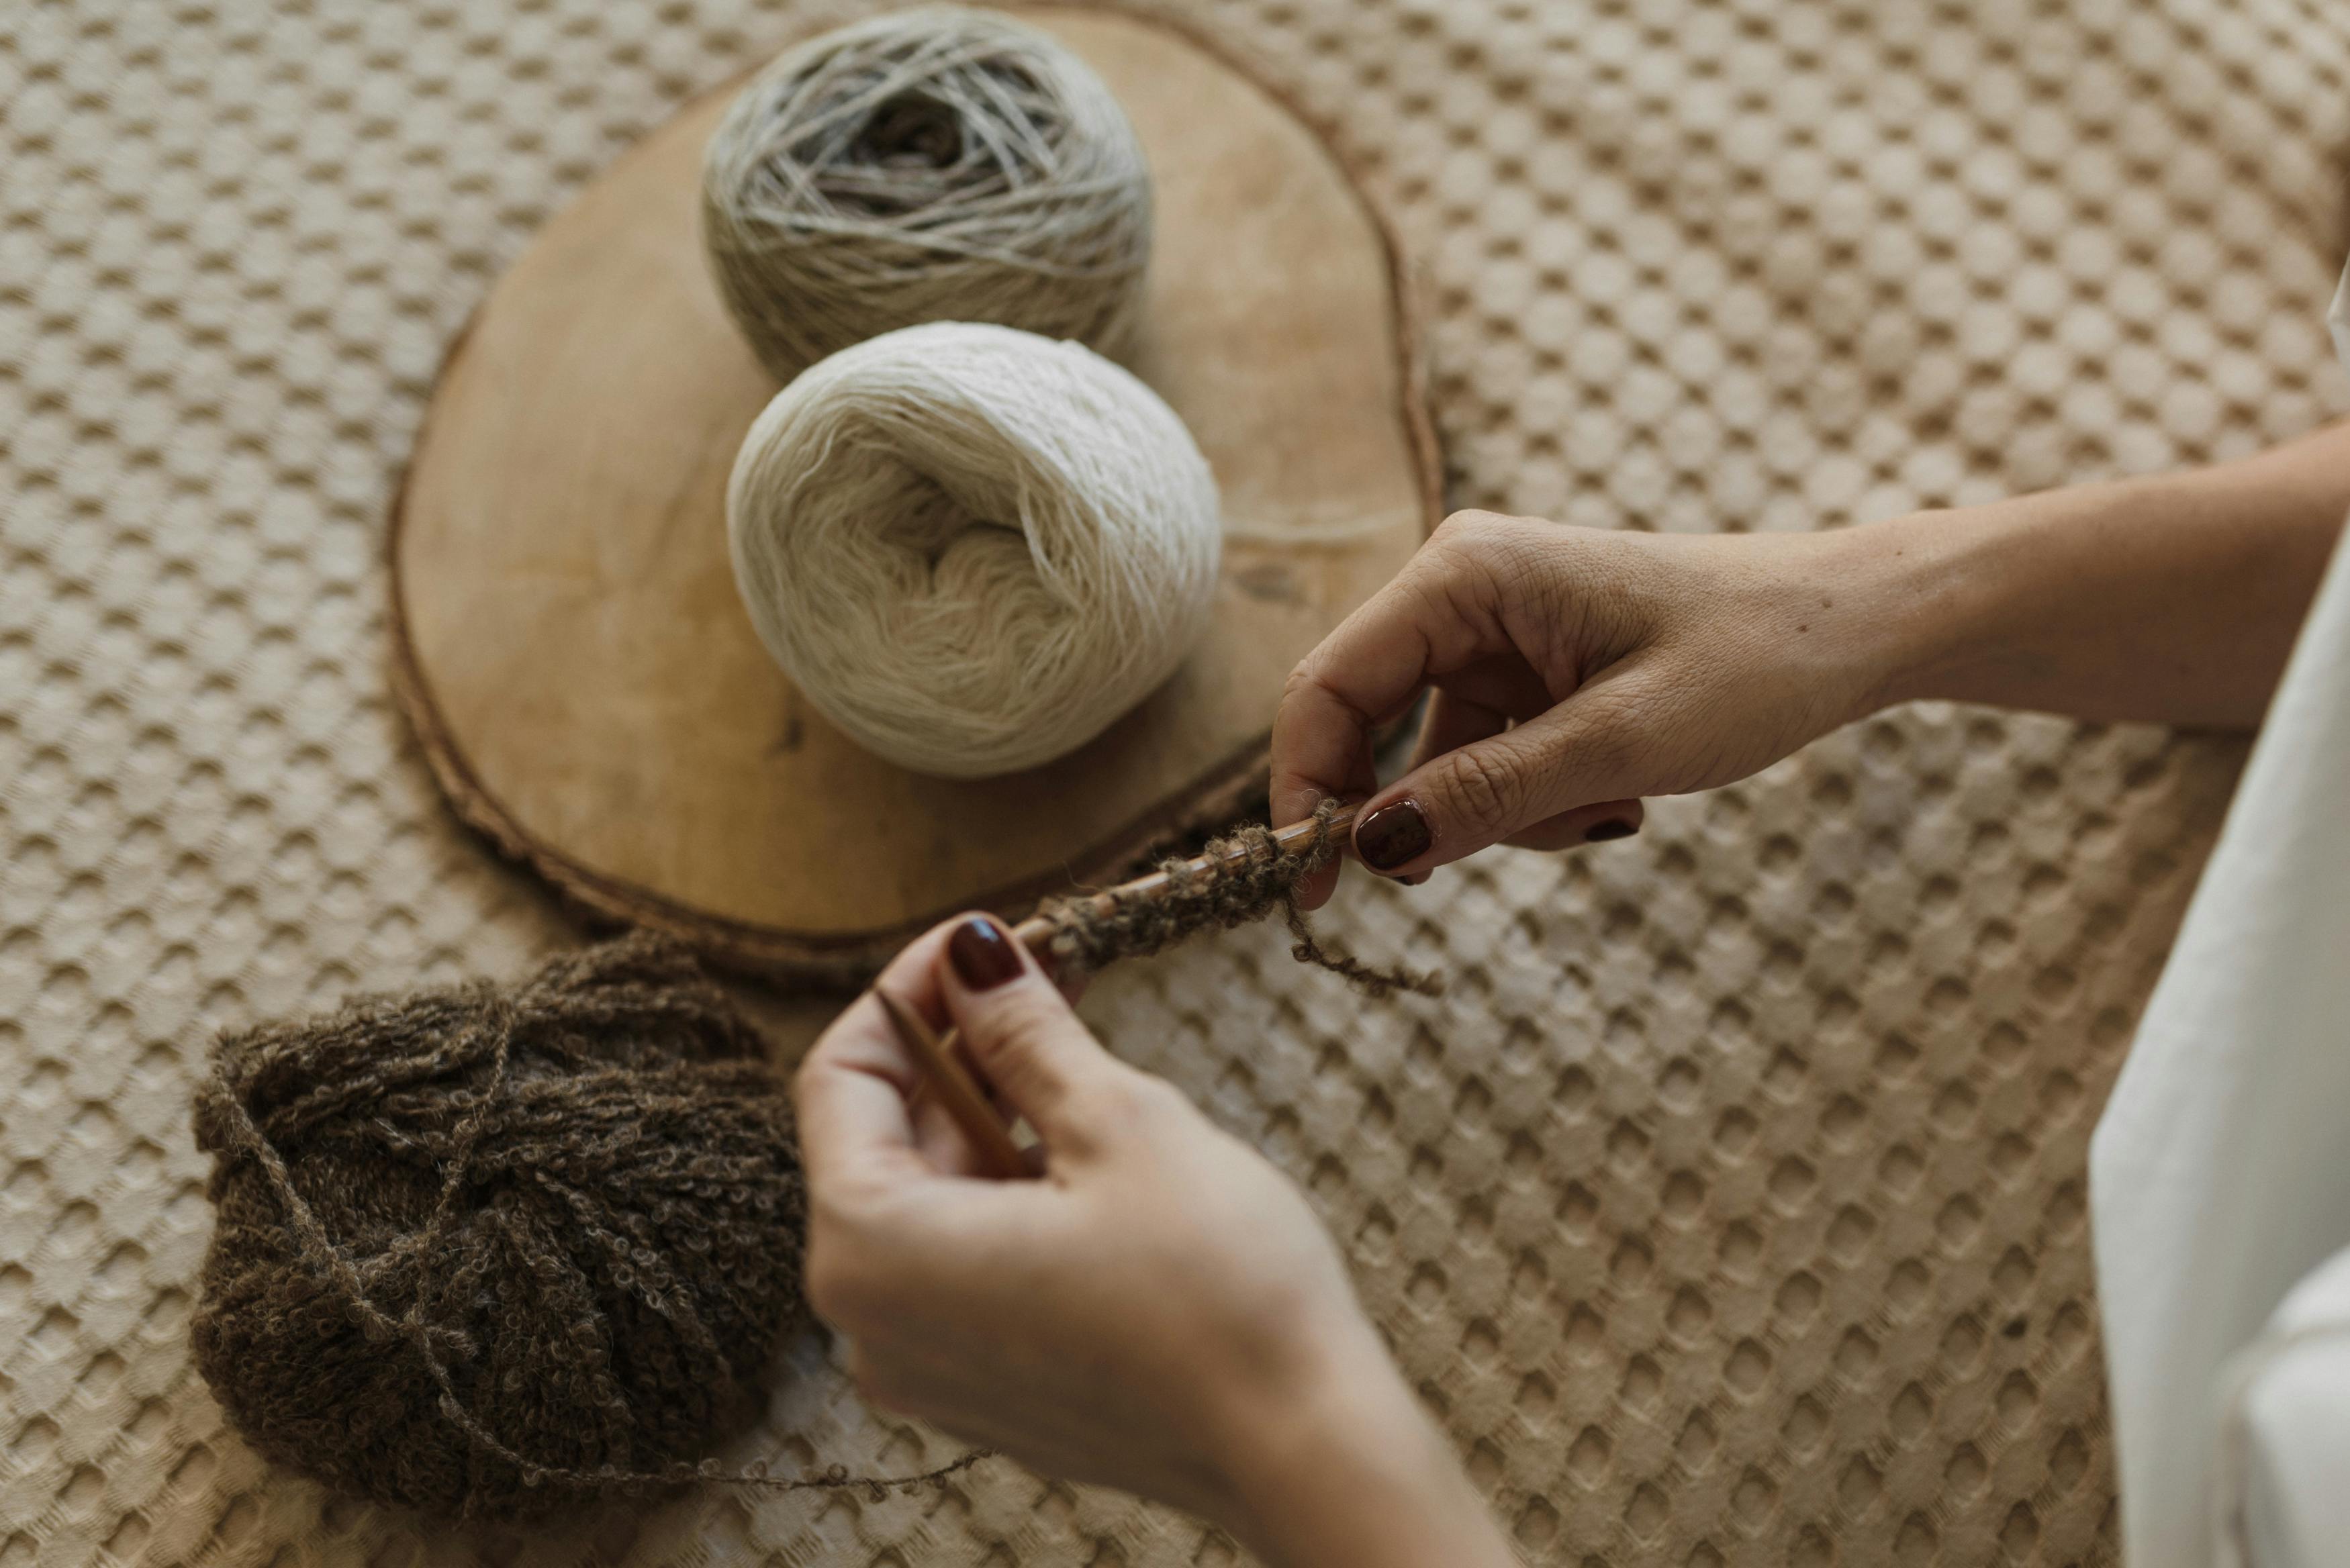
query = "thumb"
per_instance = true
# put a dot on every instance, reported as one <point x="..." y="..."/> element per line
<point x="1016" y="1025"/>
<point x="1582" y="754"/>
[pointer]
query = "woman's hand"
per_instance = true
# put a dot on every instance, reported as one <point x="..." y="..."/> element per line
<point x="1574" y="671"/>
<point x="1158" y="1310"/>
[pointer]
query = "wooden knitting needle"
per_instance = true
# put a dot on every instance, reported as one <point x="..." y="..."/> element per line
<point x="1034" y="933"/>
<point x="956" y="1090"/>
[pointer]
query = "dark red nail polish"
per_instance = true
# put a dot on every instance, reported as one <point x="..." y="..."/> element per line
<point x="982" y="954"/>
<point x="1614" y="827"/>
<point x="1393" y="835"/>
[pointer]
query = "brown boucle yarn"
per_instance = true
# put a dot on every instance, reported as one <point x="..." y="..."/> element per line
<point x="1236" y="879"/>
<point x="488" y="1252"/>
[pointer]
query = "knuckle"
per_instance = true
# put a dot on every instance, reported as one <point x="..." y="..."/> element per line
<point x="1616" y="734"/>
<point x="1467" y="521"/>
<point x="1490" y="561"/>
<point x="1483" y="791"/>
<point x="1524" y="555"/>
<point x="1117" y="1107"/>
<point x="1157" y="1100"/>
<point x="1111" y="1105"/>
<point x="1017" y="1018"/>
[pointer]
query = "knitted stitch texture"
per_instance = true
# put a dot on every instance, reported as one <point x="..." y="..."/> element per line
<point x="1239" y="879"/>
<point x="484" y="1252"/>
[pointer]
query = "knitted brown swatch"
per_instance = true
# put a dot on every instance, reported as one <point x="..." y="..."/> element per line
<point x="489" y="1253"/>
<point x="1237" y="880"/>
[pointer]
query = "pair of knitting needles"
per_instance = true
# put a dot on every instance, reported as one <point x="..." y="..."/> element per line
<point x="959" y="1093"/>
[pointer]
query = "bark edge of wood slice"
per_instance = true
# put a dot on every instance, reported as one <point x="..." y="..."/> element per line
<point x="566" y="639"/>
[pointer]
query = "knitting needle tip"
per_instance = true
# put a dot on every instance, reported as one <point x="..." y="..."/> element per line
<point x="956" y="1090"/>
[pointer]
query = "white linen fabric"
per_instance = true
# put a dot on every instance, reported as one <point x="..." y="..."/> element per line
<point x="2284" y="1447"/>
<point x="2218" y="1175"/>
<point x="2338" y="318"/>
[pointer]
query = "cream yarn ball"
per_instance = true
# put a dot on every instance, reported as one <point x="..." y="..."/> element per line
<point x="973" y="548"/>
<point x="937" y="164"/>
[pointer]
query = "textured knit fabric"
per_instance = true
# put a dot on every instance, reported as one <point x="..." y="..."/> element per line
<point x="1729" y="1208"/>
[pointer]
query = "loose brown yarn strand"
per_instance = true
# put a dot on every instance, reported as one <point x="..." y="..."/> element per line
<point x="485" y="1251"/>
<point x="565" y="1121"/>
<point x="1237" y="880"/>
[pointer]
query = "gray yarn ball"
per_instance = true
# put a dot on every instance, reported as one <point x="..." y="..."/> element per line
<point x="939" y="164"/>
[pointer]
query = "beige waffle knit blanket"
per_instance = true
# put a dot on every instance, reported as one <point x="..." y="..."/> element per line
<point x="1729" y="1209"/>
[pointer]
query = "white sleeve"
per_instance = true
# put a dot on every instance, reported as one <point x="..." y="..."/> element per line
<point x="2217" y="1175"/>
<point x="2284" y="1494"/>
<point x="2338" y="318"/>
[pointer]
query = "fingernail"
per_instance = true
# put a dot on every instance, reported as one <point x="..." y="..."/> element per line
<point x="982" y="954"/>
<point x="1614" y="827"/>
<point x="1392" y="835"/>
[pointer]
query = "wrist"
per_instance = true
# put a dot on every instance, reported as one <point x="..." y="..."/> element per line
<point x="1341" y="1465"/>
<point x="1857" y="613"/>
<point x="1930" y="587"/>
<point x="2171" y="598"/>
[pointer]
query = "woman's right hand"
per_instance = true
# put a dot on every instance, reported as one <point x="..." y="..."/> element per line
<point x="1574" y="670"/>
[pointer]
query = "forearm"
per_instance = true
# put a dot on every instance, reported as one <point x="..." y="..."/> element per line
<point x="2174" y="599"/>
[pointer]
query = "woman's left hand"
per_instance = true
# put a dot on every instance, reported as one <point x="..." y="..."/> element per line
<point x="1157" y="1309"/>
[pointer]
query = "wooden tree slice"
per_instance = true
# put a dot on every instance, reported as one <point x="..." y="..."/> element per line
<point x="568" y="637"/>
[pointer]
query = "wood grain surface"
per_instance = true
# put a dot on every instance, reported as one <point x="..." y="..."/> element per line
<point x="569" y="640"/>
